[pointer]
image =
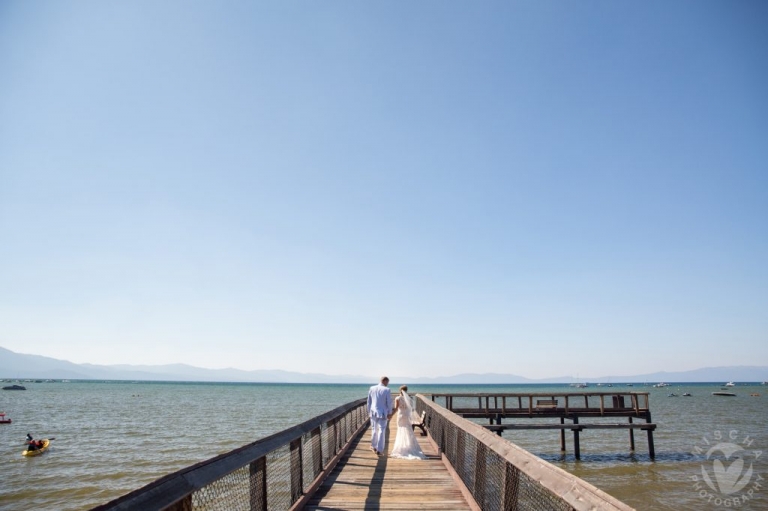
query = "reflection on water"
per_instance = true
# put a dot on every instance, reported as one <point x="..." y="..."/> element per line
<point x="112" y="438"/>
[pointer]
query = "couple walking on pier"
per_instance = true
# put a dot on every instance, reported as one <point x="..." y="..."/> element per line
<point x="381" y="409"/>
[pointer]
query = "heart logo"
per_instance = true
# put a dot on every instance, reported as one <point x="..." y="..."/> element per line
<point x="728" y="479"/>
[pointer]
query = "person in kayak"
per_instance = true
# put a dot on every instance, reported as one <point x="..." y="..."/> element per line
<point x="33" y="445"/>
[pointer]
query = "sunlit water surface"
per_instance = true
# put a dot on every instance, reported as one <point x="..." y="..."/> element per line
<point x="113" y="437"/>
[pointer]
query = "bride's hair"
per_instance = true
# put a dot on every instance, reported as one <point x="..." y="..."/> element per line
<point x="404" y="388"/>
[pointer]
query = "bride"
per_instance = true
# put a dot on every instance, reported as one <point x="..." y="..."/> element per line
<point x="406" y="446"/>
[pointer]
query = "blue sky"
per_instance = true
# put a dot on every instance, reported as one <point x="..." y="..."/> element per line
<point x="411" y="188"/>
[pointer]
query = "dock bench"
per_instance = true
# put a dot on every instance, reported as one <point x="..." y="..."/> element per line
<point x="421" y="424"/>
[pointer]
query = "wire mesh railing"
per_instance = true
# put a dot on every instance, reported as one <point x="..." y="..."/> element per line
<point x="502" y="476"/>
<point x="272" y="473"/>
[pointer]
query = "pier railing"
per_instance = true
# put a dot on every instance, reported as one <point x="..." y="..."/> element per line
<point x="583" y="404"/>
<point x="275" y="472"/>
<point x="502" y="476"/>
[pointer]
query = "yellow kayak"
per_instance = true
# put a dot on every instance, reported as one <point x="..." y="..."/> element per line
<point x="38" y="451"/>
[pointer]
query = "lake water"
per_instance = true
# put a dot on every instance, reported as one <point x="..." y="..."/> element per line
<point x="114" y="437"/>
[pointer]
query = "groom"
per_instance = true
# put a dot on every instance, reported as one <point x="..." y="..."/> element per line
<point x="380" y="410"/>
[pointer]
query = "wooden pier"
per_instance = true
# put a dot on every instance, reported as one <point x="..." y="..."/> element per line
<point x="571" y="406"/>
<point x="326" y="463"/>
<point x="363" y="480"/>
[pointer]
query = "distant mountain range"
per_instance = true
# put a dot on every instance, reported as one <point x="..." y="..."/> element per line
<point x="21" y="366"/>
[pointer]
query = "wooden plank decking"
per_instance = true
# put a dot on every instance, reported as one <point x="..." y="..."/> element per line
<point x="363" y="480"/>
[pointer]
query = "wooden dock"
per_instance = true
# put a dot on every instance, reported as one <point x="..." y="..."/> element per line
<point x="564" y="406"/>
<point x="363" y="480"/>
<point x="325" y="463"/>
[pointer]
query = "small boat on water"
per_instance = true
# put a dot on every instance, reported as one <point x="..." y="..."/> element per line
<point x="723" y="394"/>
<point x="661" y="384"/>
<point x="39" y="450"/>
<point x="730" y="384"/>
<point x="687" y="394"/>
<point x="14" y="387"/>
<point x="672" y="395"/>
<point x="3" y="420"/>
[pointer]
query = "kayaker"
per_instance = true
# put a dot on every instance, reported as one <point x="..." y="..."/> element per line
<point x="32" y="444"/>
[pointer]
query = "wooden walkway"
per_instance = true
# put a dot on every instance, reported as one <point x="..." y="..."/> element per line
<point x="363" y="480"/>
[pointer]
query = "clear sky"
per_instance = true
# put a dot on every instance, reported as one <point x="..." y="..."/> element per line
<point x="412" y="188"/>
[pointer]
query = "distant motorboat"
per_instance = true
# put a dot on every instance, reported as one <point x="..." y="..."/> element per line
<point x="687" y="394"/>
<point x="661" y="384"/>
<point x="730" y="394"/>
<point x="630" y="385"/>
<point x="14" y="387"/>
<point x="730" y="384"/>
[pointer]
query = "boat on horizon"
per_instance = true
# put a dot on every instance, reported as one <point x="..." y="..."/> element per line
<point x="661" y="384"/>
<point x="730" y="384"/>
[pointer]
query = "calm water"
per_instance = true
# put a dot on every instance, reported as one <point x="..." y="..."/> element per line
<point x="113" y="437"/>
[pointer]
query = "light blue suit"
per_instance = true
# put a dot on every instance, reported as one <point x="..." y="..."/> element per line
<point x="379" y="407"/>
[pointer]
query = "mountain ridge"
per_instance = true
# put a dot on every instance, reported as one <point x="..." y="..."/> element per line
<point x="21" y="366"/>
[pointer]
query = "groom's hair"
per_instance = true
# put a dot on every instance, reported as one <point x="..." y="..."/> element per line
<point x="384" y="379"/>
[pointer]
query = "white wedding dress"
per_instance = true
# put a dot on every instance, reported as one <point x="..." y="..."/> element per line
<point x="406" y="446"/>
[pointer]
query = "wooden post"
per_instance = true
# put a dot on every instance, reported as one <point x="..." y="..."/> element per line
<point x="562" y="435"/>
<point x="297" y="480"/>
<point x="631" y="437"/>
<point x="498" y="422"/>
<point x="480" y="482"/>
<point x="443" y="433"/>
<point x="258" y="484"/>
<point x="511" y="485"/>
<point x="458" y="463"/>
<point x="651" y="449"/>
<point x="576" y="448"/>
<point x="336" y="446"/>
<point x="317" y="452"/>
